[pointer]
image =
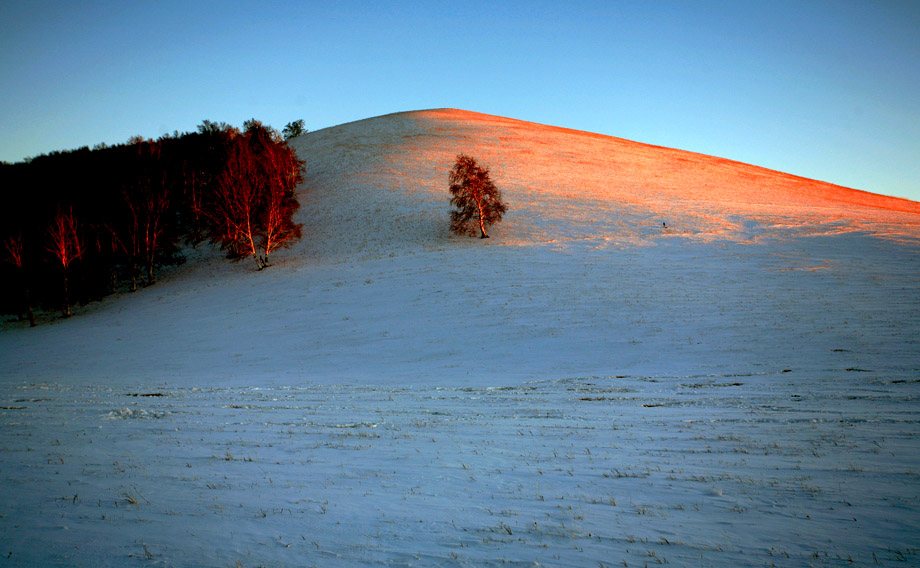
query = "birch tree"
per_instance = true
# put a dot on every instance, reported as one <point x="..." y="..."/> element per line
<point x="66" y="245"/>
<point x="478" y="203"/>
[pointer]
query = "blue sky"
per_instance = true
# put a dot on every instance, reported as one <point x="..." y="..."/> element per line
<point x="826" y="90"/>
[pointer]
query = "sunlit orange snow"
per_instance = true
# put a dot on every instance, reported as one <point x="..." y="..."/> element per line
<point x="387" y="189"/>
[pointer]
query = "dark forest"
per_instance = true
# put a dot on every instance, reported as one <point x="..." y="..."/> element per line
<point x="79" y="225"/>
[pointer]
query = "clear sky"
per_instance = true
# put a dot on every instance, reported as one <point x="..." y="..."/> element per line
<point x="823" y="89"/>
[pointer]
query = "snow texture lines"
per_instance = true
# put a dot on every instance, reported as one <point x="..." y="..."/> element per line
<point x="711" y="470"/>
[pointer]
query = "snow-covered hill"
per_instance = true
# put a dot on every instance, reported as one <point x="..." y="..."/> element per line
<point x="377" y="187"/>
<point x="658" y="355"/>
<point x="582" y="277"/>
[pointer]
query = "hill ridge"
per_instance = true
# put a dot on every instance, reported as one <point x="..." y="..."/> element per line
<point x="560" y="183"/>
<point x="909" y="205"/>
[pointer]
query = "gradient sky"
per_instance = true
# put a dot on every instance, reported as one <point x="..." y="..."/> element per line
<point x="826" y="90"/>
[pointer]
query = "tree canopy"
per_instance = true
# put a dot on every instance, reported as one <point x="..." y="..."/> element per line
<point x="294" y="129"/>
<point x="478" y="202"/>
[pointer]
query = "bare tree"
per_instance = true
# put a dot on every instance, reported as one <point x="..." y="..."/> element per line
<point x="67" y="246"/>
<point x="478" y="202"/>
<point x="285" y="172"/>
<point x="132" y="243"/>
<point x="109" y="245"/>
<point x="13" y="246"/>
<point x="234" y="211"/>
<point x="250" y="212"/>
<point x="146" y="194"/>
<point x="155" y="205"/>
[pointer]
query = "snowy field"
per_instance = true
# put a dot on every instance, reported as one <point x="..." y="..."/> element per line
<point x="756" y="406"/>
<point x="586" y="388"/>
<point x="747" y="469"/>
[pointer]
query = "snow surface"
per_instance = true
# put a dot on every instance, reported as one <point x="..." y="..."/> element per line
<point x="586" y="388"/>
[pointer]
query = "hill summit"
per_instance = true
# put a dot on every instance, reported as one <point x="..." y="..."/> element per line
<point x="378" y="186"/>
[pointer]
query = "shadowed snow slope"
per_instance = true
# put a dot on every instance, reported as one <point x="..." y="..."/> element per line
<point x="754" y="270"/>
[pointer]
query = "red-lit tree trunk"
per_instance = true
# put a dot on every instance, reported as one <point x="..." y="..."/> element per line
<point x="147" y="197"/>
<point x="285" y="172"/>
<point x="66" y="246"/>
<point x="249" y="211"/>
<point x="156" y="205"/>
<point x="191" y="185"/>
<point x="131" y="244"/>
<point x="109" y="244"/>
<point x="236" y="204"/>
<point x="13" y="247"/>
<point x="477" y="201"/>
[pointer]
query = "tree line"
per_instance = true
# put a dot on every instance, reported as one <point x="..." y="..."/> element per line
<point x="81" y="224"/>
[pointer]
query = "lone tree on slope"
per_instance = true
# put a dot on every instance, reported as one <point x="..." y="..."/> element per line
<point x="478" y="202"/>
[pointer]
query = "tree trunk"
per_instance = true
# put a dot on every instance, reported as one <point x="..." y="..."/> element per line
<point x="150" y="273"/>
<point x="27" y="298"/>
<point x="29" y="315"/>
<point x="482" y="227"/>
<point x="65" y="310"/>
<point x="29" y="308"/>
<point x="133" y="268"/>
